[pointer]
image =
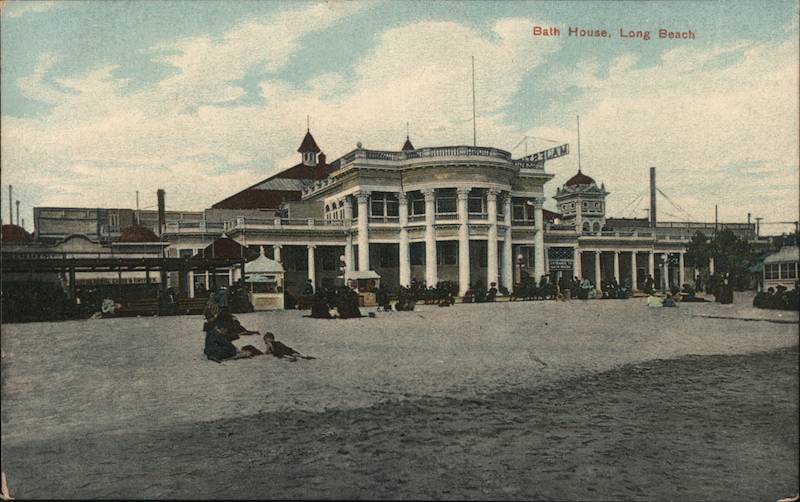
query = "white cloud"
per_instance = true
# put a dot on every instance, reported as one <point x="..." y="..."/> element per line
<point x="708" y="124"/>
<point x="701" y="120"/>
<point x="18" y="8"/>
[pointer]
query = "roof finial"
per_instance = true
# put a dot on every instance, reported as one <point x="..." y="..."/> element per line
<point x="308" y="123"/>
<point x="408" y="135"/>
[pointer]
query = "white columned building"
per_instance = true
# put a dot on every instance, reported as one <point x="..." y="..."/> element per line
<point x="491" y="245"/>
<point x="508" y="252"/>
<point x="363" y="230"/>
<point x="538" y="222"/>
<point x="405" y="259"/>
<point x="463" y="241"/>
<point x="431" y="275"/>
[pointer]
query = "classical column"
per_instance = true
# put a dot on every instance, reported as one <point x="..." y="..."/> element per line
<point x="191" y="284"/>
<point x="634" y="279"/>
<point x="405" y="260"/>
<point x="508" y="253"/>
<point x="430" y="238"/>
<point x="312" y="265"/>
<point x="348" y="247"/>
<point x="276" y="250"/>
<point x="665" y="271"/>
<point x="651" y="263"/>
<point x="711" y="265"/>
<point x="577" y="265"/>
<point x="538" y="220"/>
<point x="363" y="231"/>
<point x="597" y="277"/>
<point x="616" y="267"/>
<point x="491" y="243"/>
<point x="463" y="241"/>
<point x="681" y="270"/>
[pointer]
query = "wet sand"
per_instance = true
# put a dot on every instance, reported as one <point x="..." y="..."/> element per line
<point x="614" y="402"/>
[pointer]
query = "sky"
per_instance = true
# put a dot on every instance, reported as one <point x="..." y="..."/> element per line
<point x="203" y="99"/>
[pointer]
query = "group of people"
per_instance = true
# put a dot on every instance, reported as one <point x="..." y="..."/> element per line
<point x="780" y="298"/>
<point x="331" y="303"/>
<point x="222" y="328"/>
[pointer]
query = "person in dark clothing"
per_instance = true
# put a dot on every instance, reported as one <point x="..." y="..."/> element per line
<point x="280" y="350"/>
<point x="492" y="293"/>
<point x="308" y="289"/>
<point x="218" y="348"/>
<point x="320" y="309"/>
<point x="347" y="304"/>
<point x="649" y="285"/>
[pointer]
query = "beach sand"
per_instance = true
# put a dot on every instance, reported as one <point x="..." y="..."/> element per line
<point x="578" y="400"/>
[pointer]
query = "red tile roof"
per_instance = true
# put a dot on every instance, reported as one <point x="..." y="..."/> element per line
<point x="254" y="198"/>
<point x="137" y="233"/>
<point x="579" y="179"/>
<point x="227" y="248"/>
<point x="14" y="233"/>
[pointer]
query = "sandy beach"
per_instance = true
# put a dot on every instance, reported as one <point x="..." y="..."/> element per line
<point x="578" y="400"/>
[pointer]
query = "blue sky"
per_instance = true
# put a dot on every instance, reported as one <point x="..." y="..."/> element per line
<point x="100" y="99"/>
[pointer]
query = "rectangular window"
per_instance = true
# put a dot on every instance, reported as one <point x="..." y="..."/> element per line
<point x="417" y="253"/>
<point x="377" y="207"/>
<point x="447" y="253"/>
<point x="186" y="253"/>
<point x="476" y="203"/>
<point x="388" y="256"/>
<point x="788" y="271"/>
<point x="770" y="271"/>
<point x="446" y="201"/>
<point x="416" y="203"/>
<point x="517" y="209"/>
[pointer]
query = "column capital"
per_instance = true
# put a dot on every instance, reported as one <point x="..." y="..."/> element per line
<point x="348" y="202"/>
<point x="402" y="198"/>
<point x="311" y="246"/>
<point x="428" y="193"/>
<point x="597" y="251"/>
<point x="362" y="196"/>
<point x="277" y="246"/>
<point x="491" y="194"/>
<point x="463" y="192"/>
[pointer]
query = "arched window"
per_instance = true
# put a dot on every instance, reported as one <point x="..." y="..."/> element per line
<point x="586" y="226"/>
<point x="596" y="227"/>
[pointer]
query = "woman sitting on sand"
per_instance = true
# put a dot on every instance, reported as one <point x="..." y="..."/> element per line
<point x="218" y="348"/>
<point x="281" y="350"/>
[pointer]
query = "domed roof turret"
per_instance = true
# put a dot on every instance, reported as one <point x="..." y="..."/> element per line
<point x="137" y="233"/>
<point x="580" y="179"/>
<point x="407" y="146"/>
<point x="15" y="233"/>
<point x="308" y="144"/>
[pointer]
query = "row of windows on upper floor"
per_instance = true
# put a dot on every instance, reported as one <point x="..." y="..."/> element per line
<point x="780" y="271"/>
<point x="386" y="204"/>
<point x="590" y="206"/>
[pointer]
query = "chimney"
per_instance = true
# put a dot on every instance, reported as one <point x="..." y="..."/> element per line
<point x="17" y="213"/>
<point x="161" y="216"/>
<point x="321" y="159"/>
<point x="652" y="197"/>
<point x="10" y="205"/>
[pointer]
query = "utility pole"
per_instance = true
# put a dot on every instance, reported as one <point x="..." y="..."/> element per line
<point x="17" y="213"/>
<point x="10" y="205"/>
<point x="758" y="226"/>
